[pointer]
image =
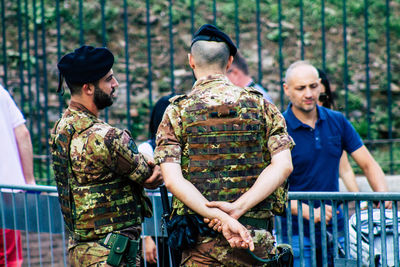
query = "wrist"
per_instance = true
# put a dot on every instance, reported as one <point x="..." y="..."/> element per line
<point x="223" y="217"/>
<point x="240" y="208"/>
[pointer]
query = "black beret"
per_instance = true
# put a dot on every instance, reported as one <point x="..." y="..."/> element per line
<point x="86" y="64"/>
<point x="209" y="32"/>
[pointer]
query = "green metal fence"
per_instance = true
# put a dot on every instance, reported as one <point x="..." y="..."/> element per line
<point x="36" y="213"/>
<point x="355" y="42"/>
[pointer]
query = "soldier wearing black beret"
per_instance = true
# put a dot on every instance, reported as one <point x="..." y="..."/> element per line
<point x="224" y="154"/>
<point x="209" y="32"/>
<point x="99" y="173"/>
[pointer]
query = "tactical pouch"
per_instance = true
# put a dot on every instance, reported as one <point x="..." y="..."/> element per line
<point x="132" y="252"/>
<point x="117" y="251"/>
<point x="120" y="246"/>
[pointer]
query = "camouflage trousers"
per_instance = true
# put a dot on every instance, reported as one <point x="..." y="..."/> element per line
<point x="91" y="254"/>
<point x="217" y="252"/>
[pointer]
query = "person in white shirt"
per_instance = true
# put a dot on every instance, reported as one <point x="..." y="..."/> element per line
<point x="16" y="167"/>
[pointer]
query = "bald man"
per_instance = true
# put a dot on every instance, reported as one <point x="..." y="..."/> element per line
<point x="226" y="144"/>
<point x="320" y="135"/>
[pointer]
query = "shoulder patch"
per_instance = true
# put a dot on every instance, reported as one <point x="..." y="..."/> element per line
<point x="253" y="90"/>
<point x="177" y="98"/>
<point x="133" y="147"/>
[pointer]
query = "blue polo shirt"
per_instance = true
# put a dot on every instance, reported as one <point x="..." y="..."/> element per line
<point x="317" y="154"/>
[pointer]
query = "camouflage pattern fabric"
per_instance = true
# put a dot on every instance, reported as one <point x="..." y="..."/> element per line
<point x="176" y="143"/>
<point x="225" y="155"/>
<point x="91" y="254"/>
<point x="99" y="175"/>
<point x="217" y="252"/>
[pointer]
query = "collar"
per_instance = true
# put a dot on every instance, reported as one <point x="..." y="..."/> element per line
<point x="83" y="118"/>
<point x="79" y="107"/>
<point x="295" y="123"/>
<point x="212" y="78"/>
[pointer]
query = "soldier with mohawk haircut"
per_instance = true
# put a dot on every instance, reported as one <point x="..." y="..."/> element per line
<point x="224" y="154"/>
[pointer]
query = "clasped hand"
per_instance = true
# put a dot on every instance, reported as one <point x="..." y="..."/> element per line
<point x="234" y="232"/>
<point x="155" y="180"/>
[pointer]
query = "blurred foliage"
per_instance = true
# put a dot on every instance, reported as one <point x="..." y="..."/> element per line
<point x="34" y="30"/>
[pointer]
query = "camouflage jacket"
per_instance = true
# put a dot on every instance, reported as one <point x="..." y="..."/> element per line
<point x="173" y="144"/>
<point x="99" y="175"/>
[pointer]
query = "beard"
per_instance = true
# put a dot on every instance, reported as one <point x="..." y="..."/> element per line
<point x="101" y="99"/>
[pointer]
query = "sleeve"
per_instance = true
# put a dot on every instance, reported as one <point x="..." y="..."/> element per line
<point x="15" y="115"/>
<point x="168" y="137"/>
<point x="278" y="137"/>
<point x="125" y="158"/>
<point x="351" y="139"/>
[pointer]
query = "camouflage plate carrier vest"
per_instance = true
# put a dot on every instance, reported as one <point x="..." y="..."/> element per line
<point x="90" y="210"/>
<point x="227" y="150"/>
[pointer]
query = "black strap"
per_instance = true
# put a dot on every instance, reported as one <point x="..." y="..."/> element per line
<point x="283" y="257"/>
<point x="266" y="224"/>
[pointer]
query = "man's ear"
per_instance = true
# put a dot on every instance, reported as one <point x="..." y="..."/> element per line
<point x="88" y="89"/>
<point x="286" y="89"/>
<point x="192" y="63"/>
<point x="230" y="60"/>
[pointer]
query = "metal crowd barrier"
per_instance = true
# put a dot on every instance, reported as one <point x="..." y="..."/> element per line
<point x="35" y="211"/>
<point x="376" y="224"/>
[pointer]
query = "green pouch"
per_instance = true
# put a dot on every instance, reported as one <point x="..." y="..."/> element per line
<point x="117" y="251"/>
<point x="131" y="253"/>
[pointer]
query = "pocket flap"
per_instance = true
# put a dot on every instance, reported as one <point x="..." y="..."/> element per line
<point x="120" y="244"/>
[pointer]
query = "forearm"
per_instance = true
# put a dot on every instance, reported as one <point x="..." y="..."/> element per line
<point x="186" y="192"/>
<point x="376" y="177"/>
<point x="25" y="151"/>
<point x="143" y="171"/>
<point x="347" y="174"/>
<point x="371" y="169"/>
<point x="305" y="209"/>
<point x="349" y="181"/>
<point x="268" y="181"/>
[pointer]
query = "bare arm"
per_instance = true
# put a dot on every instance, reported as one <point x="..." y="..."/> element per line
<point x="150" y="250"/>
<point x="186" y="192"/>
<point x="306" y="211"/>
<point x="371" y="169"/>
<point x="270" y="178"/>
<point x="25" y="152"/>
<point x="347" y="174"/>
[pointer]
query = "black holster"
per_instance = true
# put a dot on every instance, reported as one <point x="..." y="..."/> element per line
<point x="185" y="229"/>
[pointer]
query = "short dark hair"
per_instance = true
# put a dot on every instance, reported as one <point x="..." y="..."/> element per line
<point x="76" y="89"/>
<point x="328" y="100"/>
<point x="240" y="63"/>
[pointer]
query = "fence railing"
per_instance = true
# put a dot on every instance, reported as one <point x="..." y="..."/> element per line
<point x="353" y="41"/>
<point x="39" y="219"/>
